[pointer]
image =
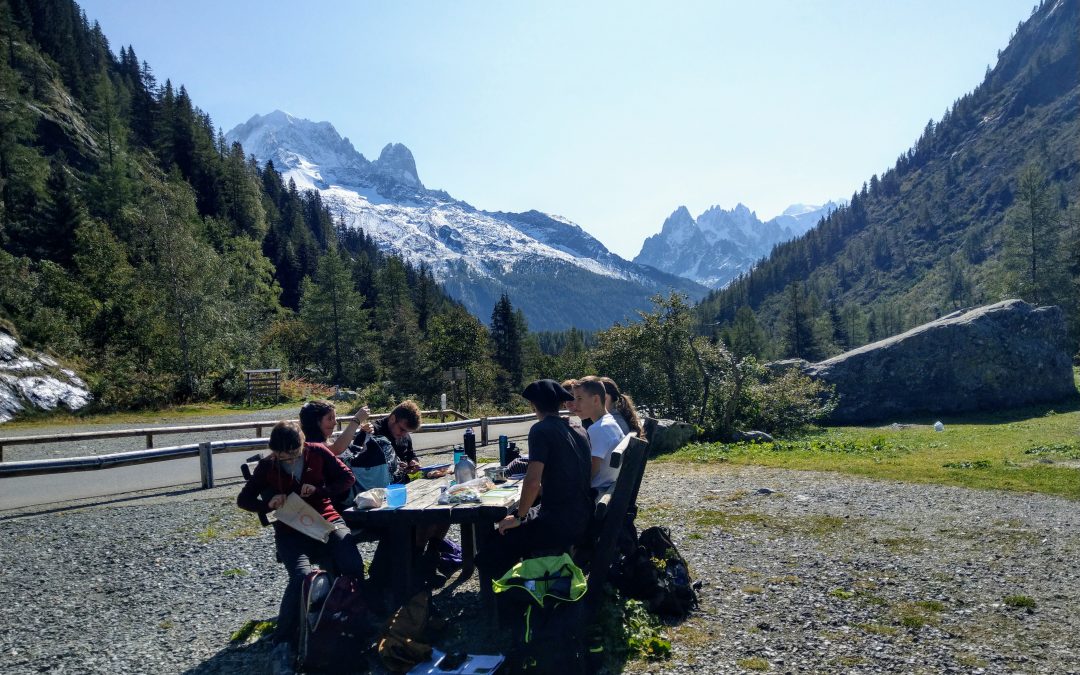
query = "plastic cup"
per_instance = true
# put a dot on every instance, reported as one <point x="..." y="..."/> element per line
<point x="396" y="495"/>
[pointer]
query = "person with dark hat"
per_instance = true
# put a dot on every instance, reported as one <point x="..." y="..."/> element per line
<point x="559" y="465"/>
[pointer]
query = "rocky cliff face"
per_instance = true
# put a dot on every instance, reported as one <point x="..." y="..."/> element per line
<point x="989" y="358"/>
<point x="33" y="381"/>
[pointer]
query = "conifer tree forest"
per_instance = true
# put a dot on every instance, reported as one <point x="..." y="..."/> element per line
<point x="983" y="207"/>
<point x="139" y="247"/>
<point x="159" y="262"/>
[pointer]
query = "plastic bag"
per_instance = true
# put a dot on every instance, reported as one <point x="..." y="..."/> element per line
<point x="371" y="499"/>
<point x="462" y="494"/>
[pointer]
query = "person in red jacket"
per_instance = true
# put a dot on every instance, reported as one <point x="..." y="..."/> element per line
<point x="313" y="472"/>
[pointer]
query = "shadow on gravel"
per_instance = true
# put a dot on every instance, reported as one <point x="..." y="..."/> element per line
<point x="243" y="658"/>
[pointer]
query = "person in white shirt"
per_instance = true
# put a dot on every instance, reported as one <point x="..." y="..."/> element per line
<point x="604" y="432"/>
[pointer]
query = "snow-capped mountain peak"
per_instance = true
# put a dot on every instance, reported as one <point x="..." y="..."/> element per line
<point x="477" y="255"/>
<point x="720" y="244"/>
<point x="396" y="162"/>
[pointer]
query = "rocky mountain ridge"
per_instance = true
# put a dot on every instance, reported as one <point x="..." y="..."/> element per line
<point x="552" y="269"/>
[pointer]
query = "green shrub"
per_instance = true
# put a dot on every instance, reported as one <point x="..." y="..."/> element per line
<point x="785" y="403"/>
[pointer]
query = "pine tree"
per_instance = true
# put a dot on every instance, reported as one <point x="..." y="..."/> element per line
<point x="506" y="342"/>
<point x="798" y="325"/>
<point x="1032" y="242"/>
<point x="334" y="314"/>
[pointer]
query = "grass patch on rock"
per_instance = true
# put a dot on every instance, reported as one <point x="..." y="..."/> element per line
<point x="811" y="525"/>
<point x="984" y="451"/>
<point x="252" y="631"/>
<point x="755" y="663"/>
<point x="1020" y="601"/>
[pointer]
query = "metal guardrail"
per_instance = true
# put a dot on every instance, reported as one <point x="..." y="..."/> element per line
<point x="150" y="432"/>
<point x="206" y="450"/>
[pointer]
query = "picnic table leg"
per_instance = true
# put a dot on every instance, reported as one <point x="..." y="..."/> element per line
<point x="468" y="550"/>
<point x="487" y="593"/>
<point x="401" y="551"/>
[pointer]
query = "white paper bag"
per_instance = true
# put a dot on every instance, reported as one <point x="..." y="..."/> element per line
<point x="370" y="499"/>
<point x="300" y="516"/>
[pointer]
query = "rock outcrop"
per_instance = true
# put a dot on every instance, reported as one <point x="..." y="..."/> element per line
<point x="29" y="380"/>
<point x="989" y="358"/>
<point x="667" y="435"/>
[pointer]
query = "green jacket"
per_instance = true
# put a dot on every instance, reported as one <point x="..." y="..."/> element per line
<point x="551" y="577"/>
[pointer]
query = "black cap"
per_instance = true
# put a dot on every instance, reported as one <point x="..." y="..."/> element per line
<point x="546" y="394"/>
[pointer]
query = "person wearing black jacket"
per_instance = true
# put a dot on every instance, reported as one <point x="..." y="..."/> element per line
<point x="559" y="464"/>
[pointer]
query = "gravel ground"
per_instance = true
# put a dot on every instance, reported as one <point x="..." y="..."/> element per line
<point x="824" y="574"/>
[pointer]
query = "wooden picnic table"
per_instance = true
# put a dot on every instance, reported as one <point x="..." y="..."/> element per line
<point x="422" y="507"/>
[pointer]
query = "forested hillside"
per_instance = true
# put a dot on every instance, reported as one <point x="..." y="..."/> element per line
<point x="160" y="262"/>
<point x="984" y="206"/>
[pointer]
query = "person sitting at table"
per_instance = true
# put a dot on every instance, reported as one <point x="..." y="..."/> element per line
<point x="319" y="418"/>
<point x="571" y="406"/>
<point x="313" y="472"/>
<point x="559" y="466"/>
<point x="622" y="408"/>
<point x="604" y="433"/>
<point x="397" y="427"/>
<point x="430" y="541"/>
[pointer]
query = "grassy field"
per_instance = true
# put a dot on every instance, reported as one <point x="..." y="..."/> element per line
<point x="1034" y="449"/>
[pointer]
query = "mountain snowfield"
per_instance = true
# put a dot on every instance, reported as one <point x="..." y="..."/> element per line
<point x="718" y="245"/>
<point x="557" y="273"/>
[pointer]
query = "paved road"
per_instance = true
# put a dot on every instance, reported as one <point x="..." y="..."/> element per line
<point x="23" y="491"/>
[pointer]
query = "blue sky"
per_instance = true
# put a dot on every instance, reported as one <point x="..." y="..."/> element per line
<point x="611" y="114"/>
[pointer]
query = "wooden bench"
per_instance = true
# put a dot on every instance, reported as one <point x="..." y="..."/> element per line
<point x="612" y="505"/>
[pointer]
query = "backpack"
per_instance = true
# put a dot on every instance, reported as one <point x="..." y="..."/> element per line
<point x="374" y="464"/>
<point x="335" y="624"/>
<point x="657" y="574"/>
<point x="540" y="598"/>
<point x="406" y="638"/>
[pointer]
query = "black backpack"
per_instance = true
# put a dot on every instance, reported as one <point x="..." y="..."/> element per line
<point x="336" y="627"/>
<point x="655" y="573"/>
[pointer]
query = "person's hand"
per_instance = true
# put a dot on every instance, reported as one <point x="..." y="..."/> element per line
<point x="367" y="428"/>
<point x="306" y="490"/>
<point x="508" y="523"/>
<point x="361" y="414"/>
<point x="277" y="501"/>
<point x="413" y="465"/>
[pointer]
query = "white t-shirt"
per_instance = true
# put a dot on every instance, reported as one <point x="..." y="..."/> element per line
<point x="604" y="435"/>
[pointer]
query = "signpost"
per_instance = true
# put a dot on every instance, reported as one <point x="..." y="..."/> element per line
<point x="456" y="374"/>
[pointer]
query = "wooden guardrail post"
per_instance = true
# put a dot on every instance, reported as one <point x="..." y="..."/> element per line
<point x="483" y="431"/>
<point x="149" y="441"/>
<point x="206" y="465"/>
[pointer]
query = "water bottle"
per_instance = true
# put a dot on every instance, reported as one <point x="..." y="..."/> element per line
<point x="459" y="452"/>
<point x="470" y="445"/>
<point x="504" y="443"/>
<point x="464" y="470"/>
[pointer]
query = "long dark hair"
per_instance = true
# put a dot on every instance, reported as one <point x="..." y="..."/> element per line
<point x="624" y="404"/>
<point x="311" y="414"/>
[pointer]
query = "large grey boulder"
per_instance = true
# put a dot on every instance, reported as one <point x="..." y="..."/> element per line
<point x="667" y="435"/>
<point x="989" y="358"/>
